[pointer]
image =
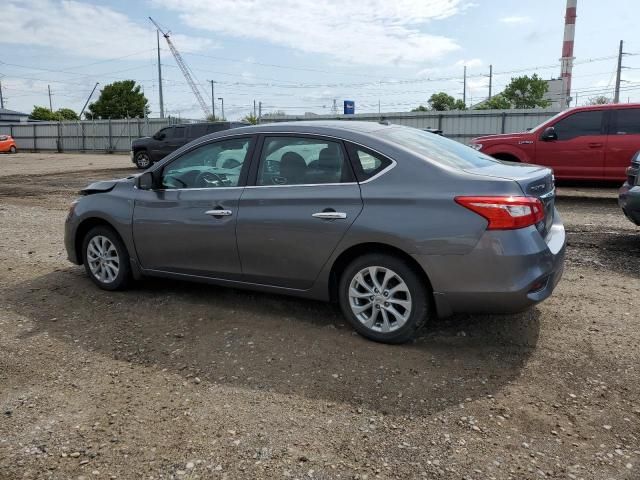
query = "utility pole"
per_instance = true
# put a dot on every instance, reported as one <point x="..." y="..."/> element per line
<point x="222" y="106"/>
<point x="50" y="104"/>
<point x="1" y="97"/>
<point x="616" y="96"/>
<point x="87" y="102"/>
<point x="259" y="111"/>
<point x="160" y="76"/>
<point x="490" y="78"/>
<point x="254" y="108"/>
<point x="464" y="87"/>
<point x="213" y="98"/>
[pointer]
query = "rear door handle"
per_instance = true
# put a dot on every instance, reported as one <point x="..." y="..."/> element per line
<point x="219" y="212"/>
<point x="330" y="215"/>
<point x="595" y="145"/>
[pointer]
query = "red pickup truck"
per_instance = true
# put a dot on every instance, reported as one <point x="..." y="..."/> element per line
<point x="583" y="143"/>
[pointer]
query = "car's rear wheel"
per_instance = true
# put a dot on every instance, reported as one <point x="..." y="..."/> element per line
<point x="106" y="259"/>
<point x="142" y="160"/>
<point x="13" y="149"/>
<point x="384" y="298"/>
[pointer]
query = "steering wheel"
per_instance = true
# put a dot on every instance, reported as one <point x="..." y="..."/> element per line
<point x="208" y="179"/>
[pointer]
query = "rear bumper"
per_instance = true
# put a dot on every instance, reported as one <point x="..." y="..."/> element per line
<point x="507" y="272"/>
<point x="629" y="201"/>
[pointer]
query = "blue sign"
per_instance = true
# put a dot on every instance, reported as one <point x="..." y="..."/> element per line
<point x="349" y="107"/>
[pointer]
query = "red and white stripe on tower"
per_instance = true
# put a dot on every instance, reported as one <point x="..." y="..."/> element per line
<point x="567" y="51"/>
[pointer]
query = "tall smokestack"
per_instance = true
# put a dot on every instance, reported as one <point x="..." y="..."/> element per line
<point x="567" y="51"/>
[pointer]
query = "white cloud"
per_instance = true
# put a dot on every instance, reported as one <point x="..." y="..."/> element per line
<point x="516" y="20"/>
<point x="375" y="32"/>
<point x="82" y="29"/>
<point x="471" y="63"/>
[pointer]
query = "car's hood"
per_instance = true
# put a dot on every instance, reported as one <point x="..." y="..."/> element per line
<point x="139" y="140"/>
<point x="103" y="186"/>
<point x="501" y="137"/>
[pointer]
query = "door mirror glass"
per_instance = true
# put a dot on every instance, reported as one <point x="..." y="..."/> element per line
<point x="145" y="181"/>
<point x="549" y="134"/>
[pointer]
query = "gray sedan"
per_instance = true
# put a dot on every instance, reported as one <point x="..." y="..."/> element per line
<point x="395" y="224"/>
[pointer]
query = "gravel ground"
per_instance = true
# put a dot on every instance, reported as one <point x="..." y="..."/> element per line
<point x="179" y="380"/>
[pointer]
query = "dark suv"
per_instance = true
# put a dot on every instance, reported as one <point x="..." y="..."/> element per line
<point x="629" y="196"/>
<point x="146" y="151"/>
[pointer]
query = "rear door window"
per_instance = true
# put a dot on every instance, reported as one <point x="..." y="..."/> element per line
<point x="302" y="161"/>
<point x="626" y="122"/>
<point x="580" y="124"/>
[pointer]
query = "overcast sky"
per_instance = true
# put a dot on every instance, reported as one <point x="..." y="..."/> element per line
<point x="300" y="55"/>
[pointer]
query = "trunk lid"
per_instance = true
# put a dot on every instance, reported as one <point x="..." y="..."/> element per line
<point x="535" y="181"/>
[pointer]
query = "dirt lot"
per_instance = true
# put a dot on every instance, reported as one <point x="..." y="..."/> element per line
<point x="176" y="380"/>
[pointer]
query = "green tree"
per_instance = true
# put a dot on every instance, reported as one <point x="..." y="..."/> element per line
<point x="599" y="100"/>
<point x="120" y="100"/>
<point x="214" y="118"/>
<point x="420" y="108"/>
<point x="442" y="101"/>
<point x="66" y="114"/>
<point x="497" y="102"/>
<point x="43" y="113"/>
<point x="251" y="118"/>
<point x="527" y="92"/>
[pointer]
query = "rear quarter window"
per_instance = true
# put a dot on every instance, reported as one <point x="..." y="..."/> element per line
<point x="437" y="148"/>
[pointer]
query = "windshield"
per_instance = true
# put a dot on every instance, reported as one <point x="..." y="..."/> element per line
<point x="437" y="148"/>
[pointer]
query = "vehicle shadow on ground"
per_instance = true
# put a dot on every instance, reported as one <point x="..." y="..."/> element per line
<point x="278" y="344"/>
<point x="618" y="251"/>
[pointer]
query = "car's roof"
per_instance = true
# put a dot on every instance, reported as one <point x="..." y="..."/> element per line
<point x="338" y="128"/>
<point x="606" y="106"/>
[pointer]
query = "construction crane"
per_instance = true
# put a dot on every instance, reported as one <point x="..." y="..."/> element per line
<point x="184" y="68"/>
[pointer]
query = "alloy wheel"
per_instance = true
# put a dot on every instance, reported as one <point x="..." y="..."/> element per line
<point x="380" y="299"/>
<point x="103" y="259"/>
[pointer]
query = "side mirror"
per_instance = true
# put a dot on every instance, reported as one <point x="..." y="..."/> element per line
<point x="159" y="136"/>
<point x="549" y="134"/>
<point x="145" y="181"/>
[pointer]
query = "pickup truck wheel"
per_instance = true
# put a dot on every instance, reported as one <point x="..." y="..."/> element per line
<point x="142" y="160"/>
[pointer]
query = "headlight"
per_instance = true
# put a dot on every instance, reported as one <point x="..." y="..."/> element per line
<point x="476" y="146"/>
<point x="72" y="208"/>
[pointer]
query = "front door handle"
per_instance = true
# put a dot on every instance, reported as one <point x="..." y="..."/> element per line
<point x="219" y="212"/>
<point x="595" y="145"/>
<point x="330" y="215"/>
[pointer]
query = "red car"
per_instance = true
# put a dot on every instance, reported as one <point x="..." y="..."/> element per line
<point x="582" y="143"/>
<point x="8" y="144"/>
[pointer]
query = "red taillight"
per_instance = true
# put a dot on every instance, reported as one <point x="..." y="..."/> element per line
<point x="505" y="213"/>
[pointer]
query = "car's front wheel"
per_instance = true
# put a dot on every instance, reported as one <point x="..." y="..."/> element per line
<point x="13" y="149"/>
<point x="106" y="259"/>
<point x="142" y="160"/>
<point x="384" y="298"/>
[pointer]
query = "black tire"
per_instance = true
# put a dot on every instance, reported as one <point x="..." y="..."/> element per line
<point x="13" y="149"/>
<point x="142" y="160"/>
<point x="121" y="280"/>
<point x="420" y="298"/>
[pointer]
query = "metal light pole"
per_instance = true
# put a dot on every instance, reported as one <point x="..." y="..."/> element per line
<point x="222" y="106"/>
<point x="213" y="99"/>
